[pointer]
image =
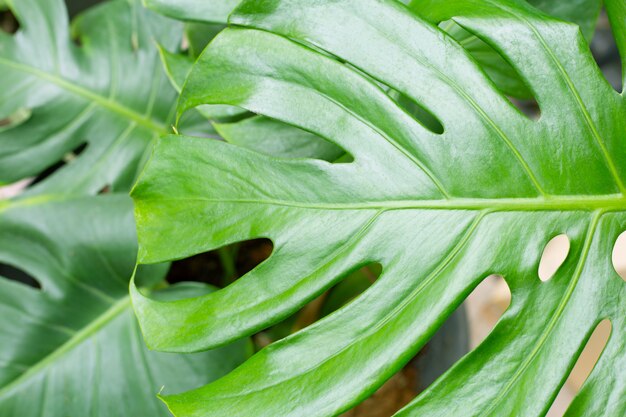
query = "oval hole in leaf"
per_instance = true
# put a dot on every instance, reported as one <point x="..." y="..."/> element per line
<point x="554" y="254"/>
<point x="221" y="266"/>
<point x="619" y="256"/>
<point x="15" y="274"/>
<point x="485" y="305"/>
<point x="8" y="22"/>
<point x="582" y="369"/>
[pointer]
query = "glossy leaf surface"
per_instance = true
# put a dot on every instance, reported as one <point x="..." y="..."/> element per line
<point x="582" y="12"/>
<point x="214" y="11"/>
<point x="439" y="211"/>
<point x="73" y="347"/>
<point x="96" y="85"/>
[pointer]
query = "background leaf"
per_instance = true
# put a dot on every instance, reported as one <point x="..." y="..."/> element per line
<point x="73" y="347"/>
<point x="93" y="94"/>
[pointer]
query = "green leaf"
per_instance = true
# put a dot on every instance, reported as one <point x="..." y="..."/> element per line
<point x="108" y="93"/>
<point x="439" y="212"/>
<point x="258" y="133"/>
<point x="617" y="15"/>
<point x="198" y="35"/>
<point x="73" y="347"/>
<point x="213" y="11"/>
<point x="271" y="137"/>
<point x="582" y="12"/>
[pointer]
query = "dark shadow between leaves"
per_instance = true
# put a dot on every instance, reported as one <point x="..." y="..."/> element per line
<point x="350" y="287"/>
<point x="221" y="267"/>
<point x="67" y="159"/>
<point x="498" y="69"/>
<point x="605" y="52"/>
<point x="15" y="274"/>
<point x="8" y="23"/>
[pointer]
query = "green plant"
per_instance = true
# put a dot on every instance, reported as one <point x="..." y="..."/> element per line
<point x="70" y="345"/>
<point x="438" y="210"/>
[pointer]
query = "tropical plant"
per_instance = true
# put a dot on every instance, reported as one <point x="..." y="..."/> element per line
<point x="69" y="344"/>
<point x="439" y="210"/>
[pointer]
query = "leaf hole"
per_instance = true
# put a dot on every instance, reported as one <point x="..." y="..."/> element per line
<point x="75" y="7"/>
<point x="485" y="306"/>
<point x="222" y="266"/>
<point x="605" y="52"/>
<point x="554" y="255"/>
<point x="67" y="159"/>
<point x="15" y="189"/>
<point x="393" y="395"/>
<point x="582" y="369"/>
<point x="448" y="344"/>
<point x="619" y="256"/>
<point x="15" y="274"/>
<point x="347" y="289"/>
<point x="498" y="69"/>
<point x="14" y="120"/>
<point x="418" y="112"/>
<point x="8" y="23"/>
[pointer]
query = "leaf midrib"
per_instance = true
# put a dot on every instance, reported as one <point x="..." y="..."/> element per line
<point x="98" y="323"/>
<point x="102" y="101"/>
<point x="614" y="202"/>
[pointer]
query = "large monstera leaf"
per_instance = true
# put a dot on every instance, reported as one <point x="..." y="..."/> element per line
<point x="97" y="83"/>
<point x="73" y="347"/>
<point x="214" y="15"/>
<point x="439" y="211"/>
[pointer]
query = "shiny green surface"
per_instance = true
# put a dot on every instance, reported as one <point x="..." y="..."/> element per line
<point x="439" y="212"/>
<point x="73" y="347"/>
<point x="212" y="11"/>
<point x="110" y="93"/>
<point x="582" y="12"/>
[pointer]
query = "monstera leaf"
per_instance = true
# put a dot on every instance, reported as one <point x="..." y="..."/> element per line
<point x="439" y="211"/>
<point x="96" y="87"/>
<point x="214" y="16"/>
<point x="73" y="347"/>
